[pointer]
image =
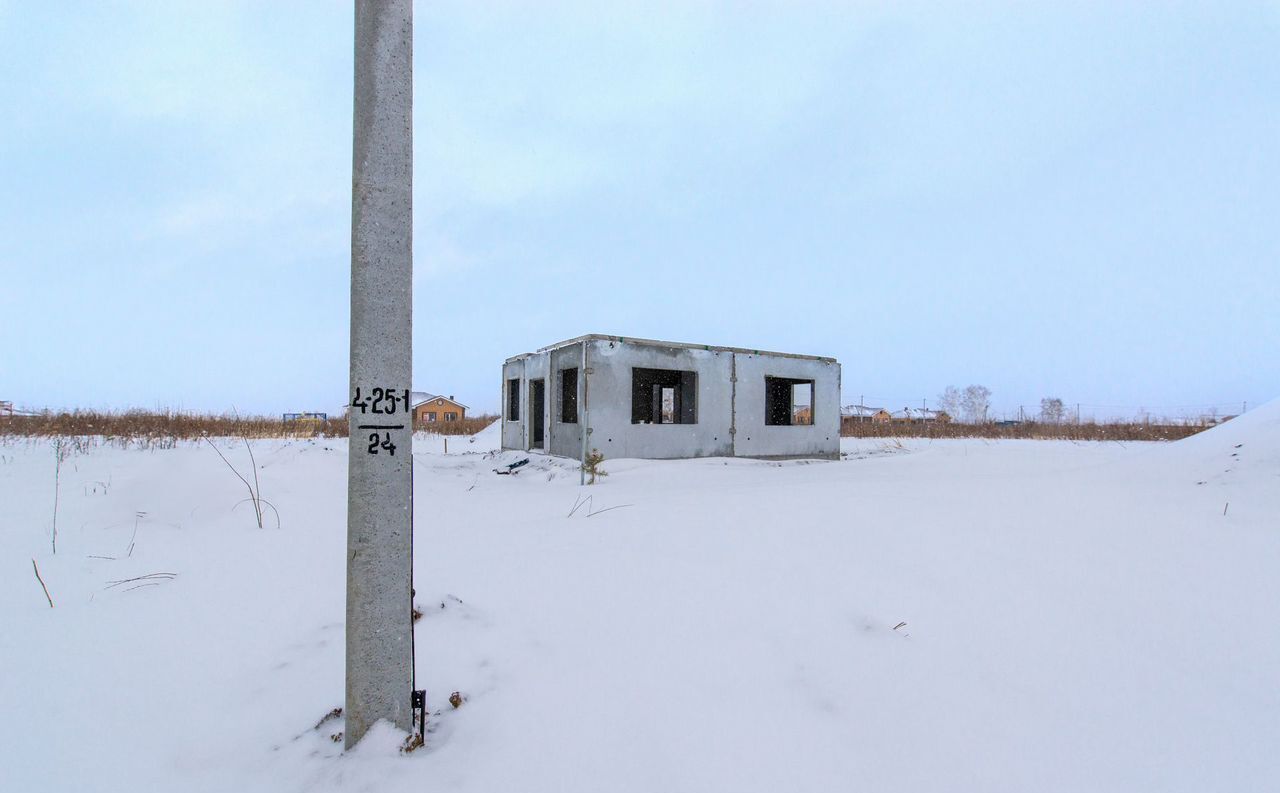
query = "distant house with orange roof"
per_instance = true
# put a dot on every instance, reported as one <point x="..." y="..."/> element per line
<point x="430" y="408"/>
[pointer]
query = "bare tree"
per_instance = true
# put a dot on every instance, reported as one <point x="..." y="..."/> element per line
<point x="1052" y="411"/>
<point x="949" y="401"/>
<point x="976" y="402"/>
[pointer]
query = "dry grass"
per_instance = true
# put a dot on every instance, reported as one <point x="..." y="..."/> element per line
<point x="162" y="429"/>
<point x="1086" y="431"/>
<point x="467" y="426"/>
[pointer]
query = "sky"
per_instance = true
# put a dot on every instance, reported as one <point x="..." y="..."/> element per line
<point x="1073" y="200"/>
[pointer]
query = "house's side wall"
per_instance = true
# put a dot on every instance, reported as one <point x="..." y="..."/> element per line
<point x="609" y="402"/>
<point x="754" y="438"/>
<point x="565" y="438"/>
<point x="513" y="431"/>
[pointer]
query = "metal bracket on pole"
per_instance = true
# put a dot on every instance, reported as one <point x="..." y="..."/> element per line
<point x="418" y="704"/>
<point x="583" y="430"/>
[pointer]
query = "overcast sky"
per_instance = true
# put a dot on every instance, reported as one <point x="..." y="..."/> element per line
<point x="1081" y="202"/>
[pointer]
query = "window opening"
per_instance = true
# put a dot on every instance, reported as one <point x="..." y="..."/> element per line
<point x="788" y="402"/>
<point x="664" y="396"/>
<point x="569" y="396"/>
<point x="513" y="399"/>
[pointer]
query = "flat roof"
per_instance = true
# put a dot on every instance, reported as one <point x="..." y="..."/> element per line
<point x="656" y="343"/>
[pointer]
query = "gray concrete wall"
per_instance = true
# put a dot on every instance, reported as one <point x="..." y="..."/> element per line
<point x="609" y="402"/>
<point x="754" y="438"/>
<point x="566" y="438"/>
<point x="513" y="431"/>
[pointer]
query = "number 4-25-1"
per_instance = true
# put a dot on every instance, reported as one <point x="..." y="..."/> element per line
<point x="376" y="442"/>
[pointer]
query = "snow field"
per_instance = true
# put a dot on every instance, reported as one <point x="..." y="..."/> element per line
<point x="1077" y="617"/>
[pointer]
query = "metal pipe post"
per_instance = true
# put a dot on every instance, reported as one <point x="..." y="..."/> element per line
<point x="581" y="416"/>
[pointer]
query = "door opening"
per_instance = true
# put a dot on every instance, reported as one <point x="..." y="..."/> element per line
<point x="537" y="412"/>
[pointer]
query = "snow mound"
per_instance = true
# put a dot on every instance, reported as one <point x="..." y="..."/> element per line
<point x="1259" y="429"/>
<point x="1235" y="465"/>
<point x="486" y="440"/>
<point x="1251" y="439"/>
<point x="490" y="437"/>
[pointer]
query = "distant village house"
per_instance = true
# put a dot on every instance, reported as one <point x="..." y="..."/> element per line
<point x="861" y="414"/>
<point x="296" y="418"/>
<point x="430" y="408"/>
<point x="921" y="415"/>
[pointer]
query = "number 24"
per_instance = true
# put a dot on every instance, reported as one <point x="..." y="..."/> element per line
<point x="376" y="442"/>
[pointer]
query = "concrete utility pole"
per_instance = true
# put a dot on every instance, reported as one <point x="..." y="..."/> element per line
<point x="380" y="461"/>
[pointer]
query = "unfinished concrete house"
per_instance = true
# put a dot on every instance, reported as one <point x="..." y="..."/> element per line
<point x="666" y="400"/>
